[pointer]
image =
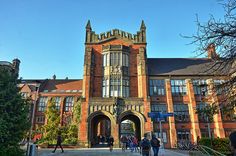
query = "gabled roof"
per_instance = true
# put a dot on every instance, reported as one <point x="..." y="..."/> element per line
<point x="185" y="66"/>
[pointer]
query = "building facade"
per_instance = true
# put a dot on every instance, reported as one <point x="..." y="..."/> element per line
<point x="120" y="83"/>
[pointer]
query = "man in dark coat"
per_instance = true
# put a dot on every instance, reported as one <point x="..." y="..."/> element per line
<point x="59" y="141"/>
<point x="155" y="145"/>
<point x="145" y="145"/>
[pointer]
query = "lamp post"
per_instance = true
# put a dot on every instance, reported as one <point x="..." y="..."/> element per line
<point x="32" y="117"/>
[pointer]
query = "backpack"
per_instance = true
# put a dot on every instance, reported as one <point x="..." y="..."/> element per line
<point x="156" y="142"/>
<point x="145" y="145"/>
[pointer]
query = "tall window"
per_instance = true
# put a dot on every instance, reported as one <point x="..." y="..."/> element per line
<point x="159" y="108"/>
<point x="218" y="87"/>
<point x="157" y="87"/>
<point x="115" y="81"/>
<point x="42" y="104"/>
<point x="125" y="87"/>
<point x="228" y="115"/>
<point x="115" y="87"/>
<point x="125" y="60"/>
<point x="181" y="113"/>
<point x="69" y="104"/>
<point x="202" y="117"/>
<point x="57" y="102"/>
<point x="200" y="87"/>
<point x="178" y="87"/>
<point x="183" y="135"/>
<point x="105" y="56"/>
<point x="115" y="59"/>
<point x="105" y="88"/>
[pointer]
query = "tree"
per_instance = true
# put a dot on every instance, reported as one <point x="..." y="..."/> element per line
<point x="221" y="34"/>
<point x="14" y="115"/>
<point x="51" y="129"/>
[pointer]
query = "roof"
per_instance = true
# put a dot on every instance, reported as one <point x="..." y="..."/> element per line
<point x="185" y="66"/>
<point x="57" y="84"/>
<point x="62" y="84"/>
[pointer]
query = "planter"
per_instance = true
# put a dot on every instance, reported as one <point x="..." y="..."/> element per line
<point x="43" y="145"/>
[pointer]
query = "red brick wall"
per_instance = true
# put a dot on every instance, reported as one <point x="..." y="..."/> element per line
<point x="97" y="76"/>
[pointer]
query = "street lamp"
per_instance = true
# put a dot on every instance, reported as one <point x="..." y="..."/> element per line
<point x="32" y="117"/>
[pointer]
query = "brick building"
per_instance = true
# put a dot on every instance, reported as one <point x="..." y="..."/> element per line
<point x="120" y="83"/>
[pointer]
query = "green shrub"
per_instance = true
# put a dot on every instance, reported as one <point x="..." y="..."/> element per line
<point x="219" y="144"/>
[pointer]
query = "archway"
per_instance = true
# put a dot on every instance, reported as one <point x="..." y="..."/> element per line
<point x="131" y="123"/>
<point x="99" y="129"/>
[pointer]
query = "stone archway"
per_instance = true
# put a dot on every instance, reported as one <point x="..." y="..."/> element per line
<point x="99" y="123"/>
<point x="137" y="118"/>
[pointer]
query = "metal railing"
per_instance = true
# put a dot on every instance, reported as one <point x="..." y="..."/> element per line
<point x="204" y="151"/>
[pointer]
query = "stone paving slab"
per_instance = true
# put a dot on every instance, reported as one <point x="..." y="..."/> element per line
<point x="100" y="152"/>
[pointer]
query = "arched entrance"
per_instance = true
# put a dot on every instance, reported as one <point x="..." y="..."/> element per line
<point x="131" y="123"/>
<point x="99" y="128"/>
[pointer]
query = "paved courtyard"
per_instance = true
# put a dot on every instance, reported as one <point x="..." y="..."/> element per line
<point x="100" y="152"/>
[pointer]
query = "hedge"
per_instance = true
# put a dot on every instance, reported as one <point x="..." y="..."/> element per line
<point x="219" y="144"/>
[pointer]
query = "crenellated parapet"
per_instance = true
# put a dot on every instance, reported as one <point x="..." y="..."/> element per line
<point x="93" y="38"/>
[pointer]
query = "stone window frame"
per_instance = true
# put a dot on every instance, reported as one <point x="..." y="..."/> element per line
<point x="58" y="102"/>
<point x="42" y="103"/>
<point x="181" y="112"/>
<point x="183" y="132"/>
<point x="160" y="107"/>
<point x="230" y="115"/>
<point x="105" y="87"/>
<point x="202" y="119"/>
<point x="40" y="119"/>
<point x="178" y="87"/>
<point x="219" y="90"/>
<point x="158" y="85"/>
<point x="198" y="90"/>
<point x="69" y="103"/>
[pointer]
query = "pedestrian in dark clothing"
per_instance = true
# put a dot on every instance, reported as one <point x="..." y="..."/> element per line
<point x="123" y="140"/>
<point x="111" y="143"/>
<point x="232" y="138"/>
<point x="155" y="145"/>
<point x="146" y="145"/>
<point x="59" y="141"/>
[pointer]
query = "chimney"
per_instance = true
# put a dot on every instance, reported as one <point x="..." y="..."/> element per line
<point x="54" y="77"/>
<point x="16" y="65"/>
<point x="211" y="51"/>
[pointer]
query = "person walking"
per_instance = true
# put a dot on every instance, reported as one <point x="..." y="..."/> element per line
<point x="145" y="144"/>
<point x="59" y="141"/>
<point x="123" y="140"/>
<point x="155" y="145"/>
<point x="135" y="141"/>
<point x="232" y="138"/>
<point x="111" y="143"/>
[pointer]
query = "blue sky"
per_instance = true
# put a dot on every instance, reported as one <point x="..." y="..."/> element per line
<point x="48" y="35"/>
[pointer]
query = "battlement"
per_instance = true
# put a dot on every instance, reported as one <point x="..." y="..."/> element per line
<point x="92" y="37"/>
